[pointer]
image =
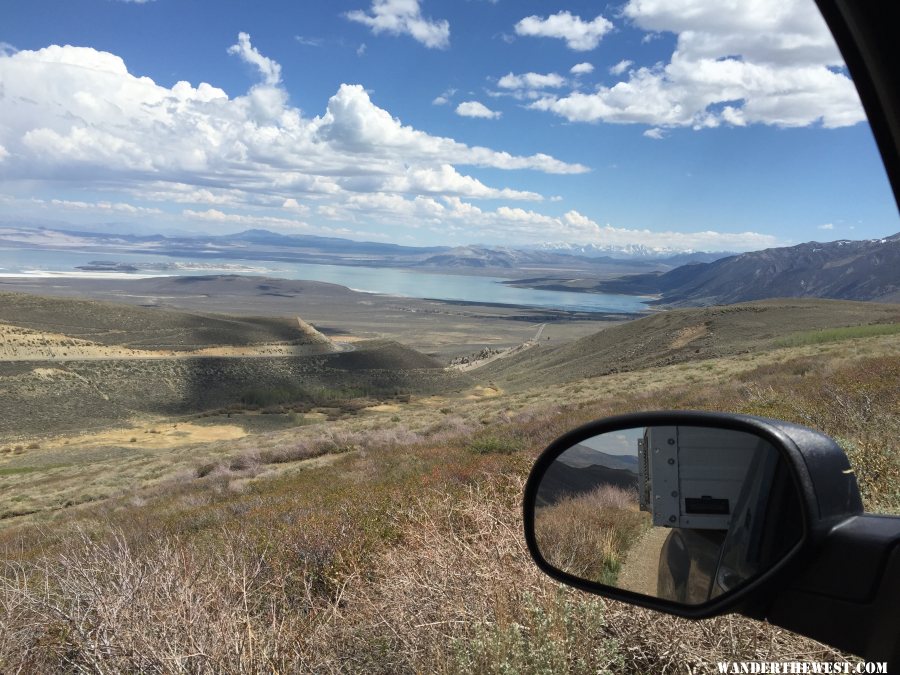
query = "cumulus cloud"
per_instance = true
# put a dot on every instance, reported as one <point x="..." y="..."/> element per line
<point x="575" y="227"/>
<point x="476" y="109"/>
<point x="765" y="62"/>
<point x="655" y="133"/>
<point x="621" y="67"/>
<point x="444" y="97"/>
<point x="531" y="81"/>
<point x="76" y="114"/>
<point x="269" y="69"/>
<point x="102" y="206"/>
<point x="528" y="86"/>
<point x="403" y="17"/>
<point x="514" y="224"/>
<point x="579" y="35"/>
<point x="786" y="32"/>
<point x="826" y="226"/>
<point x="582" y="69"/>
<point x="445" y="180"/>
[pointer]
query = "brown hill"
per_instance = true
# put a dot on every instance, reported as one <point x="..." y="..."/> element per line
<point x="109" y="323"/>
<point x="683" y="335"/>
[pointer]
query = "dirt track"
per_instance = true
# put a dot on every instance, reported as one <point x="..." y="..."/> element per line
<point x="641" y="568"/>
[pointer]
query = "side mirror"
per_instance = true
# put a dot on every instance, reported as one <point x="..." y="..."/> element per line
<point x="699" y="514"/>
<point x="680" y="513"/>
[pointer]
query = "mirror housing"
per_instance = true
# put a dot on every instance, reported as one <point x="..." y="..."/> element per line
<point x="824" y="482"/>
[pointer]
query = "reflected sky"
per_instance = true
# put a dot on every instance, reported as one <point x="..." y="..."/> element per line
<point x="622" y="442"/>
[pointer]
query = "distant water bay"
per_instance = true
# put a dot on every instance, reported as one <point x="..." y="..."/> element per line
<point x="385" y="280"/>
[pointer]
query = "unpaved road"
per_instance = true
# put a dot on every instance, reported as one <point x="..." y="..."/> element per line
<point x="473" y="365"/>
<point x="641" y="568"/>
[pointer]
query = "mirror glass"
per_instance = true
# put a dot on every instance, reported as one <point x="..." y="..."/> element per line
<point x="683" y="513"/>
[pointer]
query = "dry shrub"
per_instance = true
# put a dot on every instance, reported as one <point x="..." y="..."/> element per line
<point x="104" y="607"/>
<point x="407" y="557"/>
<point x="459" y="594"/>
<point x="589" y="534"/>
<point x="450" y="588"/>
<point x="449" y="429"/>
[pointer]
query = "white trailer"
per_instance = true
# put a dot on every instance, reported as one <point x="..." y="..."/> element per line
<point x="692" y="476"/>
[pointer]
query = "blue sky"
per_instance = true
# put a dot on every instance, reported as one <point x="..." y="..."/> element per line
<point x="680" y="124"/>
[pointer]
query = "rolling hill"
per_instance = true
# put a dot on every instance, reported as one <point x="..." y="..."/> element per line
<point x="683" y="335"/>
<point x="68" y="364"/>
<point x="109" y="323"/>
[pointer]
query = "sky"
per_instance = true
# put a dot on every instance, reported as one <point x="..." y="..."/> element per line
<point x="679" y="124"/>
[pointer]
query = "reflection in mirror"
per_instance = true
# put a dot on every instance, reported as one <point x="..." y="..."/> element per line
<point x="681" y="513"/>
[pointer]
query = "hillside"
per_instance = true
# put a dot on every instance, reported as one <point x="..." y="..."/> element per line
<point x="683" y="335"/>
<point x="107" y="323"/>
<point x="69" y="364"/>
<point x="386" y="542"/>
<point x="46" y="398"/>
<point x="844" y="270"/>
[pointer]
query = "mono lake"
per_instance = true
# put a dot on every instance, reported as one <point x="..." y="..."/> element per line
<point x="384" y="280"/>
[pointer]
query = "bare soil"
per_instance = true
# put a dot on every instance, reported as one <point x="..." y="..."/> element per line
<point x="641" y="568"/>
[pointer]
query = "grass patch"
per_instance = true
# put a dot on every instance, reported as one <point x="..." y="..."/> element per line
<point x="494" y="445"/>
<point x="817" y="337"/>
<point x="17" y="470"/>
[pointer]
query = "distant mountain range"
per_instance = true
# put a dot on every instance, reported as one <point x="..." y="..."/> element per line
<point x="257" y="241"/>
<point x="851" y="270"/>
<point x="842" y="270"/>
<point x="265" y="245"/>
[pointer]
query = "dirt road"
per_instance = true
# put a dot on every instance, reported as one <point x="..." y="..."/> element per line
<point x="641" y="566"/>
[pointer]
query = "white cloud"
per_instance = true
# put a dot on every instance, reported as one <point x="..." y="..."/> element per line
<point x="582" y="68"/>
<point x="476" y="109"/>
<point x="518" y="225"/>
<point x="403" y="17"/>
<point x="444" y="98"/>
<point x="361" y="49"/>
<point x="786" y="32"/>
<point x="76" y="205"/>
<point x="292" y="204"/>
<point x="579" y="35"/>
<point x="445" y="180"/>
<point x="766" y="62"/>
<point x="120" y="207"/>
<point x="575" y="227"/>
<point x="308" y="41"/>
<point x="826" y="226"/>
<point x="75" y="114"/>
<point x="269" y="69"/>
<point x="655" y="133"/>
<point x="531" y="81"/>
<point x="621" y="67"/>
<point x="216" y="216"/>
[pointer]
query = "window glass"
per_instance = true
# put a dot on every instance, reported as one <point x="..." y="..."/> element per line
<point x="292" y="293"/>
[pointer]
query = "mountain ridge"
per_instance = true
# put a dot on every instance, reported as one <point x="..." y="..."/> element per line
<point x="839" y="270"/>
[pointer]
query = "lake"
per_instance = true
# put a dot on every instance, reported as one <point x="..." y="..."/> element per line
<point x="384" y="280"/>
